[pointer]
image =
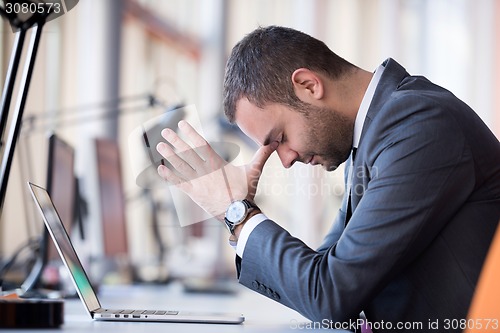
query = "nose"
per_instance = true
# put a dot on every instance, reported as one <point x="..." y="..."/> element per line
<point x="286" y="155"/>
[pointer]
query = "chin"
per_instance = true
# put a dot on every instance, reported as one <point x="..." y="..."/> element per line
<point x="330" y="166"/>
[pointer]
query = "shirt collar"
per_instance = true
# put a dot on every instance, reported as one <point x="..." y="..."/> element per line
<point x="365" y="104"/>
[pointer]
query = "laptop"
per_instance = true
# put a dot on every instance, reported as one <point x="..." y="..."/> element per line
<point x="85" y="290"/>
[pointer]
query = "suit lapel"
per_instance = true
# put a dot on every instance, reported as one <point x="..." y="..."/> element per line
<point x="393" y="74"/>
<point x="390" y="80"/>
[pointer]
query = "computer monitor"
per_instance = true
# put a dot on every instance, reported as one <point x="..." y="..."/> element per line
<point x="61" y="183"/>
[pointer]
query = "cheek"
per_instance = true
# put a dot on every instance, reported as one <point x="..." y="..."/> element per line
<point x="308" y="138"/>
<point x="304" y="143"/>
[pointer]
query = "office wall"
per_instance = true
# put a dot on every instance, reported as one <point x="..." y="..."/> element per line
<point x="452" y="42"/>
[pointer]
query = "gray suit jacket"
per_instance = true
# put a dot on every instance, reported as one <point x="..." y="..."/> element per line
<point x="426" y="203"/>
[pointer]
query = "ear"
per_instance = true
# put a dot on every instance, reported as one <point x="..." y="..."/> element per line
<point x="308" y="85"/>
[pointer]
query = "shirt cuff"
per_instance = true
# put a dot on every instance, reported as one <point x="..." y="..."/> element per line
<point x="246" y="230"/>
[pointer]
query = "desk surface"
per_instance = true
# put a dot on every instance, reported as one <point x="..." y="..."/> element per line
<point x="261" y="314"/>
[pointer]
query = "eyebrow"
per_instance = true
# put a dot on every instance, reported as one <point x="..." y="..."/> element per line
<point x="270" y="136"/>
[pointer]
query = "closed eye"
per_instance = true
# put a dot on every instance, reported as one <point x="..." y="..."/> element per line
<point x="283" y="138"/>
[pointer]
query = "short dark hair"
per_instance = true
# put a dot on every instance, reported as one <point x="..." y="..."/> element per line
<point x="261" y="64"/>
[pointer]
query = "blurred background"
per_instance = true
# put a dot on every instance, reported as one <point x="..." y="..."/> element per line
<point x="108" y="66"/>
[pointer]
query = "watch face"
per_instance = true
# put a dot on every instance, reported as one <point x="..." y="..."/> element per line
<point x="236" y="211"/>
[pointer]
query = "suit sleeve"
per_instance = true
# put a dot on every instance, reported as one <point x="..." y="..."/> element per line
<point x="420" y="175"/>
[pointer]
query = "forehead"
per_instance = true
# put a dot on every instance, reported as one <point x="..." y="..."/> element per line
<point x="259" y="123"/>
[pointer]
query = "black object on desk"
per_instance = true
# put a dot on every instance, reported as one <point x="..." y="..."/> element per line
<point x="31" y="313"/>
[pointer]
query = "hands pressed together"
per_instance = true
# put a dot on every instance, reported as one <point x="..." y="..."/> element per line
<point x="207" y="178"/>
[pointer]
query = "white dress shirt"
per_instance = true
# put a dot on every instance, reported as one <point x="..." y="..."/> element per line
<point x="255" y="220"/>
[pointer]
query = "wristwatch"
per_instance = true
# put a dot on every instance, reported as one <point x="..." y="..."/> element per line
<point x="237" y="212"/>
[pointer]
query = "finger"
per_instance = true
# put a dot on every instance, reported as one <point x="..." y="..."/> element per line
<point x="184" y="169"/>
<point x="194" y="137"/>
<point x="169" y="175"/>
<point x="201" y="145"/>
<point x="260" y="158"/>
<point x="184" y="150"/>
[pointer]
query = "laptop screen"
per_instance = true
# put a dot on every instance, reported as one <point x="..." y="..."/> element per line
<point x="64" y="247"/>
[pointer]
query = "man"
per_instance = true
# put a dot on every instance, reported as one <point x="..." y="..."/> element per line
<point x="422" y="184"/>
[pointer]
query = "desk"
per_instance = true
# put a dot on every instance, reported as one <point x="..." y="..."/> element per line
<point x="261" y="314"/>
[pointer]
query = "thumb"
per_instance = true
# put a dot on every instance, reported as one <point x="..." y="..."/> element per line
<point x="260" y="158"/>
